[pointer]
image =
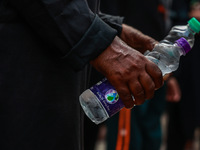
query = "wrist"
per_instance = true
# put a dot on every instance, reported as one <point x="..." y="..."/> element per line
<point x="136" y="39"/>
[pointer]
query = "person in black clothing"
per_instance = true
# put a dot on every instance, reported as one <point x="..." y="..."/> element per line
<point x="45" y="47"/>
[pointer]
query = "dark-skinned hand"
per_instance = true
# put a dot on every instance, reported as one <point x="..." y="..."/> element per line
<point x="129" y="72"/>
<point x="136" y="39"/>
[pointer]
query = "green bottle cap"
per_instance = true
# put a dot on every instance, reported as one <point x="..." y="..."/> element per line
<point x="194" y="24"/>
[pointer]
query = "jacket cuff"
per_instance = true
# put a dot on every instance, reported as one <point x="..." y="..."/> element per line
<point x="96" y="39"/>
<point x="113" y="21"/>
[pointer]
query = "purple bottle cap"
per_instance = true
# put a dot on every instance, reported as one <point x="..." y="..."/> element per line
<point x="184" y="44"/>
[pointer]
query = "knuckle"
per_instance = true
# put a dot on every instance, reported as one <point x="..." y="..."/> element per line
<point x="158" y="73"/>
<point x="139" y="93"/>
<point x="156" y="70"/>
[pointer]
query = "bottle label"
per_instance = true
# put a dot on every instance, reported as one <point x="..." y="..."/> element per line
<point x="108" y="97"/>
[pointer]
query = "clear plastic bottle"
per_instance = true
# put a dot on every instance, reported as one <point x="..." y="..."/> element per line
<point x="187" y="31"/>
<point x="102" y="101"/>
<point x="167" y="56"/>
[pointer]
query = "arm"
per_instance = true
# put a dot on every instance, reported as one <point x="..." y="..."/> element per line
<point x="129" y="79"/>
<point x="133" y="37"/>
<point x="81" y="36"/>
<point x="113" y="21"/>
<point x="68" y="26"/>
<point x="137" y="39"/>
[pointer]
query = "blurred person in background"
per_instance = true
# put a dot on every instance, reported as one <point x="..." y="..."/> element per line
<point x="184" y="115"/>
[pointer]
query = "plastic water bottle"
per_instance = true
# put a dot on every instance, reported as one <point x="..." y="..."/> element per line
<point x="167" y="56"/>
<point x="102" y="101"/>
<point x="187" y="31"/>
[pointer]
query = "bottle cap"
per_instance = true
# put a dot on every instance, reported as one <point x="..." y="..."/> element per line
<point x="194" y="24"/>
<point x="184" y="44"/>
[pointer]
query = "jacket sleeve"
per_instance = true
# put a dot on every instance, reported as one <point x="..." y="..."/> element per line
<point x="113" y="21"/>
<point x="69" y="25"/>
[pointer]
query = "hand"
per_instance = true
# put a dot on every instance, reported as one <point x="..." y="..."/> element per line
<point x="129" y="72"/>
<point x="173" y="90"/>
<point x="137" y="39"/>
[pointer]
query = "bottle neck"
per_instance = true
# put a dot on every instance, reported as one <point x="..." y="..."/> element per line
<point x="190" y="30"/>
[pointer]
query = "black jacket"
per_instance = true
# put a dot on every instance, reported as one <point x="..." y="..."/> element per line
<point x="42" y="45"/>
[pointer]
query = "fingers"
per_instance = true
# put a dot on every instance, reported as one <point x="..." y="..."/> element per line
<point x="155" y="73"/>
<point x="148" y="85"/>
<point x="126" y="96"/>
<point x="141" y="86"/>
<point x="137" y="92"/>
<point x="142" y="89"/>
<point x="122" y="89"/>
